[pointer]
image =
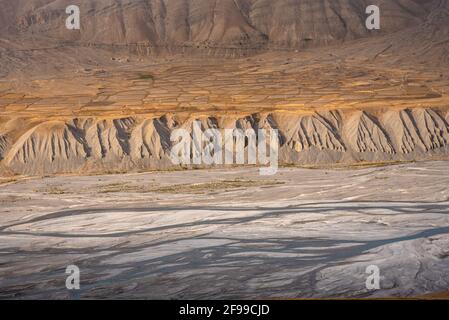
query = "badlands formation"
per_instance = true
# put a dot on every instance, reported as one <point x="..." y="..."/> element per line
<point x="106" y="97"/>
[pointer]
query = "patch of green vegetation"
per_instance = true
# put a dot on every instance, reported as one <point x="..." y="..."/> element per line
<point x="198" y="188"/>
<point x="357" y="165"/>
<point x="192" y="188"/>
<point x="126" y="187"/>
<point x="55" y="191"/>
<point x="8" y="180"/>
<point x="365" y="164"/>
<point x="146" y="76"/>
<point x="117" y="187"/>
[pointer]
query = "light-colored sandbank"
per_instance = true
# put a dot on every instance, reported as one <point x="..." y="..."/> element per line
<point x="228" y="234"/>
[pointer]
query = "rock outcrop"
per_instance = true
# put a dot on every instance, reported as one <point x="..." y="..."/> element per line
<point x="138" y="143"/>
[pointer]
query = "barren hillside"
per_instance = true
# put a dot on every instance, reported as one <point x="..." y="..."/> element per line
<point x="205" y="23"/>
<point x="338" y="93"/>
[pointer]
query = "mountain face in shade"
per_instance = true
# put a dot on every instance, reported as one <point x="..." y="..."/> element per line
<point x="214" y="23"/>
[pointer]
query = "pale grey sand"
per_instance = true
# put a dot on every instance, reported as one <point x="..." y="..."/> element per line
<point x="303" y="233"/>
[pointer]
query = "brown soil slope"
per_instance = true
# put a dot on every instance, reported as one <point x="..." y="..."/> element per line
<point x="220" y="23"/>
<point x="353" y="96"/>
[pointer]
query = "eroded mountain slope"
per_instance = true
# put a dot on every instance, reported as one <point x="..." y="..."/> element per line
<point x="207" y="23"/>
<point x="74" y="107"/>
<point x="140" y="143"/>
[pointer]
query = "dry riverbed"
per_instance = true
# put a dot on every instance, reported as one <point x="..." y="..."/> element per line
<point x="228" y="234"/>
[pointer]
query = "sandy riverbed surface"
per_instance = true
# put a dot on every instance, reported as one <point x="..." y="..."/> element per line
<point x="228" y="233"/>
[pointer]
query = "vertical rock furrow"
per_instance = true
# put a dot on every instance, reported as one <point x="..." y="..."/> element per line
<point x="109" y="138"/>
<point x="4" y="143"/>
<point x="47" y="147"/>
<point x="432" y="127"/>
<point x="365" y="134"/>
<point x="149" y="139"/>
<point x="129" y="143"/>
